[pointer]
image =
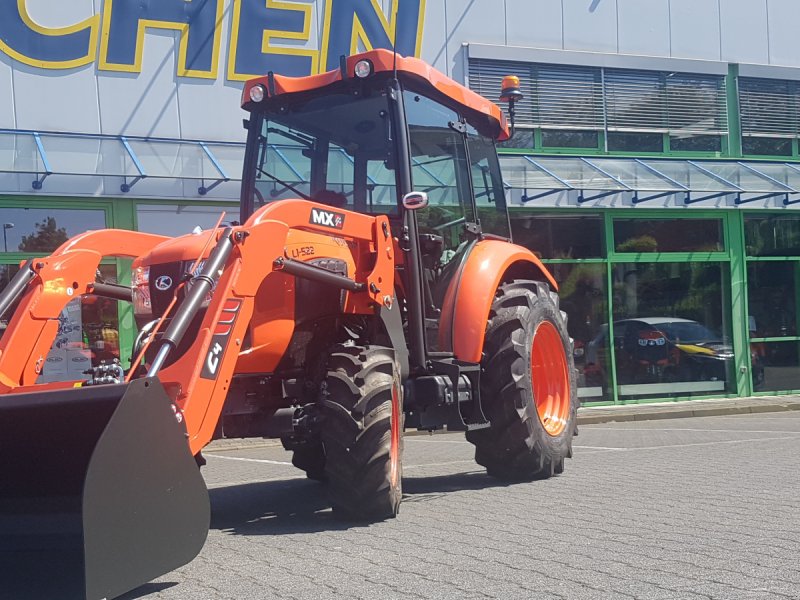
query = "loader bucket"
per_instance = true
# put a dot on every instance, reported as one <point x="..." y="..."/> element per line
<point x="99" y="493"/>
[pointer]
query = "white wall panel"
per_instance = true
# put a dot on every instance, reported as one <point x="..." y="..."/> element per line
<point x="784" y="44"/>
<point x="590" y="25"/>
<point x="7" y="113"/>
<point x="211" y="109"/>
<point x="51" y="101"/>
<point x="534" y="23"/>
<point x="434" y="35"/>
<point x="471" y="21"/>
<point x="144" y="104"/>
<point x="644" y="27"/>
<point x="744" y="31"/>
<point x="694" y="26"/>
<point x="76" y="89"/>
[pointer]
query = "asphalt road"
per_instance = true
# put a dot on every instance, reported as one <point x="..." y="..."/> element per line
<point x="683" y="508"/>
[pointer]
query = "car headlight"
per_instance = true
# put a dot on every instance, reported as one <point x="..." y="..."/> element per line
<point x="140" y="282"/>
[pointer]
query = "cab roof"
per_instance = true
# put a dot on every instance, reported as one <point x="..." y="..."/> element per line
<point x="414" y="73"/>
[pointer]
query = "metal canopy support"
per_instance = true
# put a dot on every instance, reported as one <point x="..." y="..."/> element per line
<point x="796" y="200"/>
<point x="223" y="178"/>
<point x="785" y="192"/>
<point x="37" y="183"/>
<point x="739" y="200"/>
<point x="637" y="200"/>
<point x="567" y="186"/>
<point x="582" y="198"/>
<point x="126" y="187"/>
<point x="625" y="186"/>
<point x="690" y="200"/>
<point x="525" y="198"/>
<point x="787" y="201"/>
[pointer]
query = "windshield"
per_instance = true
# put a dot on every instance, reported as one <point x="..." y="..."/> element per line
<point x="336" y="149"/>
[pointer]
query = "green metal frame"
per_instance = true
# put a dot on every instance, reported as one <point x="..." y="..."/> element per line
<point x="735" y="293"/>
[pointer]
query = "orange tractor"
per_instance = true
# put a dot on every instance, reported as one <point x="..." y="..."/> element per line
<point x="369" y="286"/>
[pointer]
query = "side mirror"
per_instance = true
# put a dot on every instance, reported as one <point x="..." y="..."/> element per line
<point x="415" y="200"/>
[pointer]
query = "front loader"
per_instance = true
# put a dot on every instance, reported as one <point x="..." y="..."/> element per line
<point x="370" y="285"/>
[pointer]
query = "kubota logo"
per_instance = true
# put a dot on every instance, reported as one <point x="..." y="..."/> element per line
<point x="327" y="218"/>
<point x="163" y="283"/>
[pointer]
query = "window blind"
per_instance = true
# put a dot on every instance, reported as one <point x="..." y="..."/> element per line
<point x="769" y="107"/>
<point x="592" y="98"/>
<point x="555" y="96"/>
<point x="677" y="103"/>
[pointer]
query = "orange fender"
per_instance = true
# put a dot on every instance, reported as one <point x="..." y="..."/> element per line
<point x="489" y="263"/>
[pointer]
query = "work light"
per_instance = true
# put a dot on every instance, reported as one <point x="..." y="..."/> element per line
<point x="363" y="69"/>
<point x="257" y="93"/>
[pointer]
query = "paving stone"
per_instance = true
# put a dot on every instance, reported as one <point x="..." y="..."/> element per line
<point x="698" y="508"/>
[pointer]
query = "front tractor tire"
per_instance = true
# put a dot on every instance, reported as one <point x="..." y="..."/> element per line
<point x="362" y="404"/>
<point x="529" y="385"/>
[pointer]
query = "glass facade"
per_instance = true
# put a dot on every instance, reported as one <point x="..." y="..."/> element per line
<point x="654" y="301"/>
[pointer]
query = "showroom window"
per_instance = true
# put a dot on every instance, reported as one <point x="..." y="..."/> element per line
<point x="175" y="220"/>
<point x="37" y="230"/>
<point x="89" y="326"/>
<point x="573" y="248"/>
<point x="772" y="244"/>
<point x="648" y="299"/>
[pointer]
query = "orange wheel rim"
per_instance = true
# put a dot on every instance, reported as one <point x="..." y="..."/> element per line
<point x="551" y="392"/>
<point x="394" y="450"/>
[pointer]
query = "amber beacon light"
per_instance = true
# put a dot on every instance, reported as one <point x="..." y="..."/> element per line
<point x="510" y="92"/>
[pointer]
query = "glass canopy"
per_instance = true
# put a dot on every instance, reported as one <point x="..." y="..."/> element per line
<point x="132" y="159"/>
<point x="648" y="179"/>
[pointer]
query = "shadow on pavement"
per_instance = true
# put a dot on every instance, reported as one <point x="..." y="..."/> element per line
<point x="274" y="508"/>
<point x="471" y="480"/>
<point x="146" y="590"/>
<point x="299" y="506"/>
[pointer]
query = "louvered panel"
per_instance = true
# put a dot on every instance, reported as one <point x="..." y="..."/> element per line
<point x="769" y="107"/>
<point x="568" y="97"/>
<point x="665" y="102"/>
<point x="486" y="77"/>
<point x="554" y="96"/>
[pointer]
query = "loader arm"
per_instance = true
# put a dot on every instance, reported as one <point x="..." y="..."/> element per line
<point x="54" y="281"/>
<point x="200" y="378"/>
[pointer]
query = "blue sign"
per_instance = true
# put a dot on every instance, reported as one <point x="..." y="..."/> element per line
<point x="266" y="35"/>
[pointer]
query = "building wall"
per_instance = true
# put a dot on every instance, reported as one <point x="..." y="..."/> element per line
<point x="157" y="102"/>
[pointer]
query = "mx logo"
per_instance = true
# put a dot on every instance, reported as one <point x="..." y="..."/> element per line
<point x="327" y="218"/>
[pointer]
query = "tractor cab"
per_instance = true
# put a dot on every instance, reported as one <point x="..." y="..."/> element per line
<point x="368" y="137"/>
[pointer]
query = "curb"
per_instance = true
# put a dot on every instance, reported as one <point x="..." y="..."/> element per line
<point x="592" y="416"/>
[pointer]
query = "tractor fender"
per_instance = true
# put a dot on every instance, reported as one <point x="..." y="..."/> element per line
<point x="489" y="264"/>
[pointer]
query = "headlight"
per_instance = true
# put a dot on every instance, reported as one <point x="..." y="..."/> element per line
<point x="140" y="282"/>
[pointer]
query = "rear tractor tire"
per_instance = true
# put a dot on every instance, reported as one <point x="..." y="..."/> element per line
<point x="529" y="383"/>
<point x="362" y="404"/>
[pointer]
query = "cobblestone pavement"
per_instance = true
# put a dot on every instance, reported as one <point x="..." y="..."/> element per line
<point x="687" y="508"/>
